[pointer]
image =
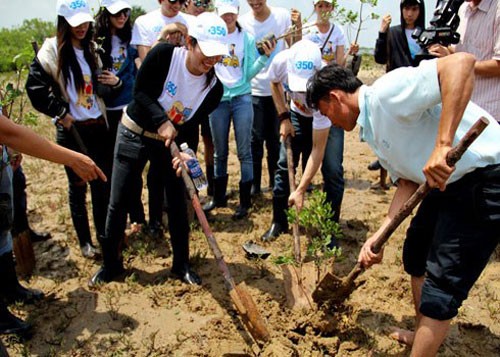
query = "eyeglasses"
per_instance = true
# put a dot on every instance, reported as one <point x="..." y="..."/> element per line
<point x="200" y="3"/>
<point x="124" y="12"/>
<point x="174" y="1"/>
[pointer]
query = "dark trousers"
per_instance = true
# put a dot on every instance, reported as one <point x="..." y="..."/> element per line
<point x="131" y="154"/>
<point x="20" y="222"/>
<point x="136" y="209"/>
<point x="265" y="129"/>
<point x="96" y="139"/>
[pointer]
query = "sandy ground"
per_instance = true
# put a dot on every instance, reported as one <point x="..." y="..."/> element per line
<point x="151" y="314"/>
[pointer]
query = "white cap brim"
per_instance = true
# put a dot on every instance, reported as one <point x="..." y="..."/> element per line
<point x="78" y="19"/>
<point x="227" y="10"/>
<point x="212" y="48"/>
<point x="118" y="6"/>
<point x="297" y="83"/>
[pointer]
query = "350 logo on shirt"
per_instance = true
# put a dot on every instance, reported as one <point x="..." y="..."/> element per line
<point x="171" y="88"/>
<point x="217" y="30"/>
<point x="77" y="4"/>
<point x="306" y="65"/>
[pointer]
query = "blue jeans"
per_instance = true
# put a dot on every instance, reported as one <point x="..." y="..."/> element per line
<point x="241" y="111"/>
<point x="332" y="169"/>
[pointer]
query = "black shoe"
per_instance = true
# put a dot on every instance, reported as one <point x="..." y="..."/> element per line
<point x="374" y="166"/>
<point x="274" y="232"/>
<point x="255" y="191"/>
<point x="105" y="275"/>
<point x="39" y="236"/>
<point x="187" y="275"/>
<point x="10" y="324"/>
<point x="89" y="251"/>
<point x="23" y="295"/>
<point x="241" y="212"/>
<point x="155" y="230"/>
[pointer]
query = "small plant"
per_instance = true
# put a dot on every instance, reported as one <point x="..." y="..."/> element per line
<point x="317" y="220"/>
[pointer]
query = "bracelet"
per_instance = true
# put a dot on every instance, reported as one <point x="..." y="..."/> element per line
<point x="284" y="116"/>
<point x="119" y="84"/>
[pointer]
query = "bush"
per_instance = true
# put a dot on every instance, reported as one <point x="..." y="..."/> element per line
<point x="16" y="42"/>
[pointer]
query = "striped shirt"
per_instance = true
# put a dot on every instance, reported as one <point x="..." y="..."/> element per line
<point x="480" y="35"/>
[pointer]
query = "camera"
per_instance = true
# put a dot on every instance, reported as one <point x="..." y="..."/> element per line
<point x="442" y="29"/>
<point x="260" y="44"/>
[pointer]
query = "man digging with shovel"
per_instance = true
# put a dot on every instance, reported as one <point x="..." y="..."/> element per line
<point x="411" y="117"/>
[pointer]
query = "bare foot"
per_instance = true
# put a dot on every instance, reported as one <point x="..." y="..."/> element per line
<point x="401" y="335"/>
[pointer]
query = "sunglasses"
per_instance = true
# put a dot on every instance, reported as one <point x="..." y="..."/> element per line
<point x="200" y="3"/>
<point x="174" y="1"/>
<point x="124" y="12"/>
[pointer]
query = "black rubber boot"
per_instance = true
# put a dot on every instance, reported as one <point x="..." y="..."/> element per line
<point x="10" y="289"/>
<point x="187" y="275"/>
<point x="245" y="200"/>
<point x="219" y="198"/>
<point x="112" y="264"/>
<point x="210" y="179"/>
<point x="10" y="324"/>
<point x="280" y="223"/>
<point x="257" y="175"/>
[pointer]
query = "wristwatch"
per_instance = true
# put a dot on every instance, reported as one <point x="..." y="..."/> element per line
<point x="55" y="120"/>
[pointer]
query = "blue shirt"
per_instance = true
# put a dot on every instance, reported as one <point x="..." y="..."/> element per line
<point x="399" y="118"/>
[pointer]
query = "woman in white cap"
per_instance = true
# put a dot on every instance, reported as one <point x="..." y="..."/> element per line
<point x="235" y="72"/>
<point x="175" y="88"/>
<point x="113" y="35"/>
<point x="62" y="83"/>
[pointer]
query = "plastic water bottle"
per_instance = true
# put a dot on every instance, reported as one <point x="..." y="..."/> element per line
<point x="199" y="179"/>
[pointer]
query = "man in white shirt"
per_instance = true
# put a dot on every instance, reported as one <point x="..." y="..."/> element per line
<point x="411" y="117"/>
<point x="262" y="21"/>
<point x="167" y="21"/>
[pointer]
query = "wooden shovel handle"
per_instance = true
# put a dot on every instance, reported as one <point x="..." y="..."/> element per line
<point x="451" y="159"/>
<point x="293" y="187"/>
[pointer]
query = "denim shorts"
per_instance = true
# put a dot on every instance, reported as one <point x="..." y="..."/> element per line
<point x="451" y="238"/>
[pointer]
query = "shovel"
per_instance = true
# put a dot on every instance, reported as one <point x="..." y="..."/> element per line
<point x="336" y="290"/>
<point x="298" y="295"/>
<point x="241" y="298"/>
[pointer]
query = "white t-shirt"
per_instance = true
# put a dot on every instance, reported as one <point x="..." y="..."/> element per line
<point x="118" y="53"/>
<point x="82" y="105"/>
<point x="147" y="27"/>
<point x="278" y="23"/>
<point x="336" y="38"/>
<point x="278" y="73"/>
<point x="229" y="70"/>
<point x="177" y="97"/>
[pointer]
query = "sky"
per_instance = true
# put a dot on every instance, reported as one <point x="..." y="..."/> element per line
<point x="13" y="13"/>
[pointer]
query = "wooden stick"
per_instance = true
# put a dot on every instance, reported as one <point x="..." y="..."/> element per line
<point x="293" y="187"/>
<point x="239" y="295"/>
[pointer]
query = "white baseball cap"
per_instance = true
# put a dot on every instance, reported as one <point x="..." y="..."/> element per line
<point x="317" y="1"/>
<point x="304" y="59"/>
<point x="227" y="7"/>
<point x="76" y="12"/>
<point x="114" y="6"/>
<point x="211" y="33"/>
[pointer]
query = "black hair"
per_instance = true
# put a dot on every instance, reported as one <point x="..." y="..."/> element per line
<point x="66" y="57"/>
<point x="332" y="76"/>
<point x="211" y="73"/>
<point x="238" y="26"/>
<point x="103" y="35"/>
<point x="420" y="22"/>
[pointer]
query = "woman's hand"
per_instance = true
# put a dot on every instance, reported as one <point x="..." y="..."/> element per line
<point x="268" y="47"/>
<point x="386" y="22"/>
<point x="108" y="78"/>
<point x="168" y="132"/>
<point x="353" y="48"/>
<point x="176" y="163"/>
<point x="66" y="121"/>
